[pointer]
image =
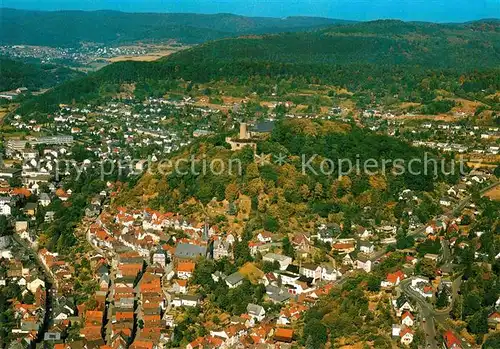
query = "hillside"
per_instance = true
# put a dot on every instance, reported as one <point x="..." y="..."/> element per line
<point x="375" y="60"/>
<point x="14" y="74"/>
<point x="387" y="42"/>
<point x="70" y="28"/>
<point x="284" y="196"/>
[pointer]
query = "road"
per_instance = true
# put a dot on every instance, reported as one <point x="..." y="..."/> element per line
<point x="433" y="317"/>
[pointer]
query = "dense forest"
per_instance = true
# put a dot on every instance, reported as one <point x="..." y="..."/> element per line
<point x="72" y="28"/>
<point x="14" y="74"/>
<point x="375" y="60"/>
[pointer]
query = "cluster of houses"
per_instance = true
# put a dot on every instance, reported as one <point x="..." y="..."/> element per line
<point x="476" y="139"/>
<point x="29" y="312"/>
<point x="171" y="266"/>
<point x="404" y="330"/>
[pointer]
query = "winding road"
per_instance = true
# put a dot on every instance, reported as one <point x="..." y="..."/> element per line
<point x="432" y="316"/>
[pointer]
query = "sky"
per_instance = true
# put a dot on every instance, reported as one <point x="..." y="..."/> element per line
<point x="414" y="10"/>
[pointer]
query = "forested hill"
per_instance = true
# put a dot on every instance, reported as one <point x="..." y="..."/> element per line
<point x="70" y="28"/>
<point x="14" y="74"/>
<point x="386" y="42"/>
<point x="381" y="58"/>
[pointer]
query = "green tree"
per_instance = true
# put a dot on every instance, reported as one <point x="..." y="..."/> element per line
<point x="478" y="323"/>
<point x="287" y="247"/>
<point x="317" y="331"/>
<point x="426" y="267"/>
<point x="472" y="304"/>
<point x="442" y="298"/>
<point x="374" y="283"/>
<point x="493" y="341"/>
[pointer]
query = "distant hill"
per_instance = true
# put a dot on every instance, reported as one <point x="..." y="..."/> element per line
<point x="14" y="74"/>
<point x="70" y="28"/>
<point x="386" y="42"/>
<point x="380" y="58"/>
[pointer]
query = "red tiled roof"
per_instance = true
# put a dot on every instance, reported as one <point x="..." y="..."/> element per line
<point x="407" y="314"/>
<point x="393" y="277"/>
<point x="451" y="340"/>
<point x="187" y="267"/>
<point x="284" y="333"/>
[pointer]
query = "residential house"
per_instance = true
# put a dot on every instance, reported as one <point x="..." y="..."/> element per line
<point x="393" y="279"/>
<point x="364" y="233"/>
<point x="310" y="270"/>
<point x="33" y="285"/>
<point x="402" y="304"/>
<point x="186" y="300"/>
<point x="234" y="280"/>
<point x="277" y="294"/>
<point x="282" y="260"/>
<point x="364" y="262"/>
<point x="330" y="274"/>
<point x="447" y="202"/>
<point x="343" y="247"/>
<point x="256" y="312"/>
<point x="451" y="341"/>
<point x="406" y="336"/>
<point x="160" y="258"/>
<point x="494" y="320"/>
<point x="44" y="199"/>
<point x="265" y="237"/>
<point x="283" y="335"/>
<point x="30" y="208"/>
<point x="347" y="260"/>
<point x="185" y="269"/>
<point x="366" y="247"/>
<point x="179" y="286"/>
<point x="407" y="319"/>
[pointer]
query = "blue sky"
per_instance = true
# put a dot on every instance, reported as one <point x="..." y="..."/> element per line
<point x="425" y="10"/>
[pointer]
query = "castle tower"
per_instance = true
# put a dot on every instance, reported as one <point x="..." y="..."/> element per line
<point x="243" y="131"/>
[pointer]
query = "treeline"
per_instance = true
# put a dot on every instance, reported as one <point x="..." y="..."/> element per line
<point x="71" y="28"/>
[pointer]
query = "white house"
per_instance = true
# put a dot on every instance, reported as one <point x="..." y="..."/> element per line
<point x="311" y="271"/>
<point x="256" y="312"/>
<point x="364" y="263"/>
<point x="179" y="286"/>
<point x="283" y="261"/>
<point x="393" y="279"/>
<point x="396" y="330"/>
<point x="418" y="279"/>
<point x="330" y="274"/>
<point x="445" y="202"/>
<point x="366" y="247"/>
<point x="347" y="260"/>
<point x="33" y="285"/>
<point x="44" y="200"/>
<point x="160" y="259"/>
<point x="185" y="300"/>
<point x="5" y="210"/>
<point x="265" y="237"/>
<point x="234" y="280"/>
<point x="185" y="270"/>
<point x="407" y="319"/>
<point x="406" y="336"/>
<point x="402" y="304"/>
